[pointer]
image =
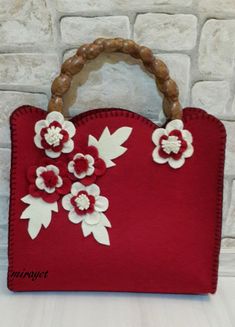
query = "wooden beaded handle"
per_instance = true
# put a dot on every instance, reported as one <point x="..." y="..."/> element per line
<point x="74" y="65"/>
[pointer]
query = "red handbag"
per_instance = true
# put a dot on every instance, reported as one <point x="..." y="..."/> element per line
<point x="109" y="201"/>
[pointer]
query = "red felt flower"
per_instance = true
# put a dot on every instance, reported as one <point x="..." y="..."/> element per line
<point x="49" y="180"/>
<point x="86" y="165"/>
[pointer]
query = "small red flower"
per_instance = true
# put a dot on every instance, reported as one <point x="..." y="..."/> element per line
<point x="49" y="180"/>
<point x="86" y="165"/>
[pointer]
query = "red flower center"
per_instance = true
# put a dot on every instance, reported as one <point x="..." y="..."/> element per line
<point x="50" y="178"/>
<point x="54" y="137"/>
<point x="80" y="165"/>
<point x="174" y="147"/>
<point x="83" y="203"/>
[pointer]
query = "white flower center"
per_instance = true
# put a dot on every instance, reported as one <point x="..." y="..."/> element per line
<point x="173" y="144"/>
<point x="82" y="202"/>
<point x="53" y="135"/>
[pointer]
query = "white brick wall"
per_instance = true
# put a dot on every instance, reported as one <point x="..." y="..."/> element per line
<point x="196" y="38"/>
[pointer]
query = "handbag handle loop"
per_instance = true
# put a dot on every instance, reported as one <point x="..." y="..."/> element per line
<point x="158" y="68"/>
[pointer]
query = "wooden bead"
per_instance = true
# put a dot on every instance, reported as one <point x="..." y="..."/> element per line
<point x="61" y="85"/>
<point x="129" y="46"/>
<point x="82" y="50"/>
<point x="110" y="45"/>
<point x="73" y="65"/>
<point x="119" y="43"/>
<point x="172" y="109"/>
<point x="55" y="104"/>
<point x="176" y="110"/>
<point x="171" y="89"/>
<point x="93" y="51"/>
<point x="99" y="41"/>
<point x="160" y="69"/>
<point x="146" y="55"/>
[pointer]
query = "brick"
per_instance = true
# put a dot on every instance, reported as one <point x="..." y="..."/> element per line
<point x="4" y="206"/>
<point x="92" y="28"/>
<point x="166" y="32"/>
<point x="216" y="49"/>
<point x="5" y="157"/>
<point x="229" y="225"/>
<point x="213" y="97"/>
<point x="103" y="6"/>
<point x="217" y="8"/>
<point x="25" y="22"/>
<point x="28" y="69"/>
<point x="230" y="148"/>
<point x="9" y="101"/>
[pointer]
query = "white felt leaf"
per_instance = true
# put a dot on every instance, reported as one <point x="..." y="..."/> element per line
<point x="101" y="235"/>
<point x="104" y="220"/>
<point x="86" y="229"/>
<point x="39" y="214"/>
<point x="109" y="145"/>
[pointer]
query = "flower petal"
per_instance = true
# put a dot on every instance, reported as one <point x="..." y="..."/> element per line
<point x="49" y="190"/>
<point x="93" y="189"/>
<point x="101" y="204"/>
<point x="157" y="134"/>
<point x="59" y="182"/>
<point x="70" y="128"/>
<point x="187" y="136"/>
<point x="189" y="151"/>
<point x="90" y="159"/>
<point x="90" y="171"/>
<point x="40" y="183"/>
<point x="71" y="166"/>
<point x="39" y="125"/>
<point x="81" y="175"/>
<point x="66" y="203"/>
<point x="55" y="116"/>
<point x="68" y="146"/>
<point x="78" y="156"/>
<point x="37" y="141"/>
<point x="53" y="168"/>
<point x="74" y="218"/>
<point x="52" y="154"/>
<point x="176" y="163"/>
<point x="77" y="187"/>
<point x="157" y="158"/>
<point x="40" y="170"/>
<point x="92" y="218"/>
<point x="174" y="124"/>
<point x="86" y="229"/>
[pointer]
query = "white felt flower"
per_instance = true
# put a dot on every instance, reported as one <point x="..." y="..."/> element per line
<point x="81" y="165"/>
<point x="87" y="206"/>
<point x="48" y="178"/>
<point x="54" y="135"/>
<point x="173" y="144"/>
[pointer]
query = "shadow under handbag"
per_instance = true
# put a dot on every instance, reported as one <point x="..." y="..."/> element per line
<point x="109" y="201"/>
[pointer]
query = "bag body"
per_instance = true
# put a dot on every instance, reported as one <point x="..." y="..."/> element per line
<point x="109" y="201"/>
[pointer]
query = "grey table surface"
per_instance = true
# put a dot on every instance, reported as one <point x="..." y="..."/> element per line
<point x="65" y="309"/>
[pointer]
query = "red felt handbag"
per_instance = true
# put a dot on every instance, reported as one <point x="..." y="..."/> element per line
<point x="109" y="201"/>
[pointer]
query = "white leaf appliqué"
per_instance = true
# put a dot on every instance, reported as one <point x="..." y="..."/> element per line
<point x="39" y="214"/>
<point x="99" y="231"/>
<point x="110" y="145"/>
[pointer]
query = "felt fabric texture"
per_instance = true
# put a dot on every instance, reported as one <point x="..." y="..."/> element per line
<point x="166" y="223"/>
